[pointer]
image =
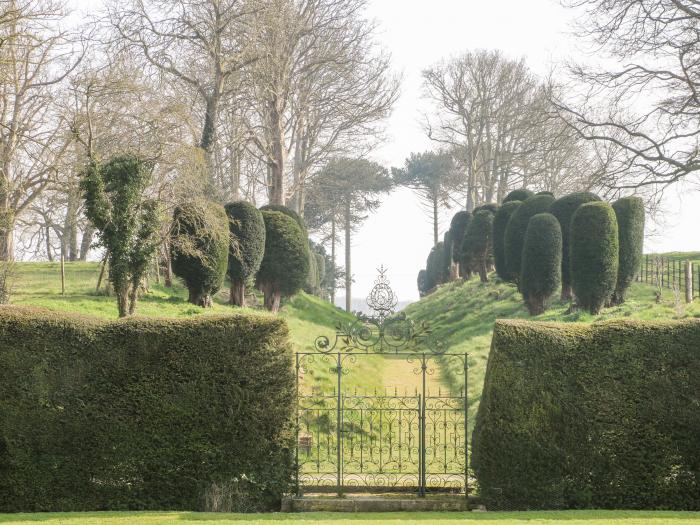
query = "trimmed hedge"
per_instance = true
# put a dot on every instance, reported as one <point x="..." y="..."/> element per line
<point x="541" y="271"/>
<point x="594" y="255"/>
<point x="489" y="206"/>
<point x="199" y="247"/>
<point x="458" y="226"/>
<point x="516" y="228"/>
<point x="422" y="282"/>
<point x="285" y="265"/>
<point x="500" y="222"/>
<point x="288" y="212"/>
<point x="435" y="266"/>
<point x="248" y="229"/>
<point x="629" y="212"/>
<point x="143" y="413"/>
<point x="476" y="245"/>
<point x="563" y="209"/>
<point x="602" y="415"/>
<point x="521" y="194"/>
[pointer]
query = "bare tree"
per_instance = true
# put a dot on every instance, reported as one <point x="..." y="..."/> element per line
<point x="35" y="57"/>
<point x="649" y="106"/>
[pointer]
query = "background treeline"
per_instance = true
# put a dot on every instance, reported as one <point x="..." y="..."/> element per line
<point x="587" y="248"/>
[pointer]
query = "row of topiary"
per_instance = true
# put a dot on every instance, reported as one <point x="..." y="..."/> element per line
<point x="588" y="247"/>
<point x="268" y="246"/>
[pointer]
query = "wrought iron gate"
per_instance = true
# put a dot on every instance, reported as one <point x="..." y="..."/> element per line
<point x="350" y="441"/>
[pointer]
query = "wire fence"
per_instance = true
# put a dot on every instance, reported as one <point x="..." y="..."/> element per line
<point x="671" y="273"/>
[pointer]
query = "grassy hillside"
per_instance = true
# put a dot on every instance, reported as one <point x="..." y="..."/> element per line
<point x="39" y="284"/>
<point x="462" y="315"/>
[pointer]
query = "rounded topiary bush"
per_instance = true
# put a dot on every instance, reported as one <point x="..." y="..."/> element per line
<point x="594" y="249"/>
<point x="516" y="228"/>
<point x="285" y="265"/>
<point x="500" y="222"/>
<point x="435" y="265"/>
<point x="551" y="194"/>
<point x="476" y="246"/>
<point x="246" y="253"/>
<point x="563" y="209"/>
<point x="521" y="194"/>
<point x="288" y="212"/>
<point x="447" y="260"/>
<point x="491" y="206"/>
<point x="541" y="271"/>
<point x="199" y="248"/>
<point x="458" y="226"/>
<point x="422" y="282"/>
<point x="629" y="212"/>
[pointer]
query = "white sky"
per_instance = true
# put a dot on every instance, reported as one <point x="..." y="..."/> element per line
<point x="419" y="33"/>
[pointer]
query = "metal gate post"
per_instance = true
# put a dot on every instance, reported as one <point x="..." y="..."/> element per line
<point x="422" y="462"/>
<point x="338" y="426"/>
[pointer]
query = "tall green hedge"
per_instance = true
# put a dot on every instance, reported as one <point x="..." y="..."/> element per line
<point x="422" y="282"/>
<point x="500" y="222"/>
<point x="594" y="255"/>
<point x="521" y="194"/>
<point x="199" y="247"/>
<point x="435" y="266"/>
<point x="489" y="206"/>
<point x="629" y="212"/>
<point x="246" y="253"/>
<point x="143" y="413"/>
<point x="602" y="415"/>
<point x="563" y="209"/>
<point x="476" y="245"/>
<point x="458" y="226"/>
<point x="285" y="265"/>
<point x="541" y="271"/>
<point x="516" y="228"/>
<point x="286" y="211"/>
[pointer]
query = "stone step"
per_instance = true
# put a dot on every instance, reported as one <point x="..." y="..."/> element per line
<point x="355" y="503"/>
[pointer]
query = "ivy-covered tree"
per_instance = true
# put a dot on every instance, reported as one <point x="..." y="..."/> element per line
<point x="127" y="221"/>
<point x="594" y="255"/>
<point x="563" y="209"/>
<point x="285" y="265"/>
<point x="476" y="246"/>
<point x="629" y="212"/>
<point x="500" y="222"/>
<point x="199" y="248"/>
<point x="541" y="271"/>
<point x="247" y="227"/>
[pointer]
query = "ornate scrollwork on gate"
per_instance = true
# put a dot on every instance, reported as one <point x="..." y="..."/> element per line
<point x="383" y="331"/>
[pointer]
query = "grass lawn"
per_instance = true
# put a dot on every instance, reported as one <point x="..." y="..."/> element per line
<point x="322" y="518"/>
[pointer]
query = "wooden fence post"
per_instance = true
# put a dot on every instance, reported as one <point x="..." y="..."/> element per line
<point x="63" y="275"/>
<point x="688" y="282"/>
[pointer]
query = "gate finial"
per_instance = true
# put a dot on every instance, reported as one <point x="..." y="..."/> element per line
<point x="382" y="300"/>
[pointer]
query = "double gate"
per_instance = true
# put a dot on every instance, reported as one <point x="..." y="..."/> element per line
<point x="354" y="441"/>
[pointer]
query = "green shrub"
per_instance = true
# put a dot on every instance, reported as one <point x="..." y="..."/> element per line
<point x="477" y="243"/>
<point x="447" y="258"/>
<point x="422" y="282"/>
<point x="521" y="194"/>
<point x="601" y="415"/>
<point x="516" y="228"/>
<point x="288" y="212"/>
<point x="500" y="222"/>
<point x="541" y="271"/>
<point x="594" y="254"/>
<point x="245" y="255"/>
<point x="435" y="266"/>
<point x="629" y="212"/>
<point x="491" y="206"/>
<point x="563" y="209"/>
<point x="199" y="248"/>
<point x="545" y="193"/>
<point x="285" y="265"/>
<point x="458" y="226"/>
<point x="143" y="413"/>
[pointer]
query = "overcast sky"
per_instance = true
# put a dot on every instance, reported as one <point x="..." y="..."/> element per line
<point x="419" y="33"/>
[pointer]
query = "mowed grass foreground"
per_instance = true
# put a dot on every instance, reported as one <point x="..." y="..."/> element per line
<point x="324" y="518"/>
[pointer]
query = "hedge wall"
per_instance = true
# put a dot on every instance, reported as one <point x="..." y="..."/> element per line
<point x="143" y="413"/>
<point x="603" y="415"/>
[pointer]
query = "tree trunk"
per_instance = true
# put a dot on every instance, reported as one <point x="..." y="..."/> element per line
<point x="70" y="227"/>
<point x="7" y="228"/>
<point x="86" y="242"/>
<point x="200" y="299"/>
<point x="566" y="292"/>
<point x="122" y="299"/>
<point x="279" y="156"/>
<point x="333" y="259"/>
<point x="348" y="270"/>
<point x="483" y="273"/>
<point x="237" y="293"/>
<point x="49" y="254"/>
<point x="536" y="305"/>
<point x="168" y="277"/>
<point x="211" y="114"/>
<point x="435" y="220"/>
<point x="273" y="297"/>
<point x="133" y="297"/>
